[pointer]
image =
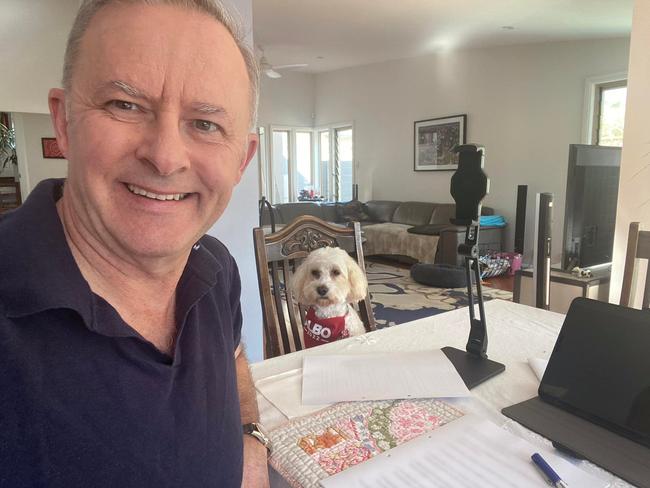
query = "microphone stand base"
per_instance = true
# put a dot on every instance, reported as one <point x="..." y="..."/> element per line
<point x="473" y="369"/>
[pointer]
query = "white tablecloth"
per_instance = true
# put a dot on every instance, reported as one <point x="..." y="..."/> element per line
<point x="516" y="333"/>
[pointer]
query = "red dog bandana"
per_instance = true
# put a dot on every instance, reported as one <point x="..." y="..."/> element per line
<point x="319" y="331"/>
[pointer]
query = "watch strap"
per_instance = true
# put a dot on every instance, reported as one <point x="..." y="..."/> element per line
<point x="255" y="430"/>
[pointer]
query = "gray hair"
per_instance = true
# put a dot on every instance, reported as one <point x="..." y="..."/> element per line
<point x="213" y="8"/>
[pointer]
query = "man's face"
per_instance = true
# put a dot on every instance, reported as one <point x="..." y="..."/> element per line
<point x="157" y="128"/>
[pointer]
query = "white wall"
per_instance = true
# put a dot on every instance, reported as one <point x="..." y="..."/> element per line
<point x="288" y="100"/>
<point x="634" y="183"/>
<point x="32" y="42"/>
<point x="30" y="128"/>
<point x="524" y="104"/>
<point x="235" y="230"/>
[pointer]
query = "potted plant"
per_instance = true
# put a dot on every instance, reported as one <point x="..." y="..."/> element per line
<point x="7" y="147"/>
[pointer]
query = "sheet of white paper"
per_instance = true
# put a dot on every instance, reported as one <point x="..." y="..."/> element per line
<point x="284" y="390"/>
<point x="379" y="376"/>
<point x="465" y="453"/>
<point x="538" y="366"/>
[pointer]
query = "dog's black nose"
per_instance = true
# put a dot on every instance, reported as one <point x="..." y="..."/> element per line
<point x="321" y="290"/>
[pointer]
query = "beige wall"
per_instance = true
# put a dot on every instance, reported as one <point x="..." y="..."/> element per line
<point x="524" y="103"/>
<point x="634" y="183"/>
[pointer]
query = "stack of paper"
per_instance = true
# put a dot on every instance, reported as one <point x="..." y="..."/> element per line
<point x="379" y="376"/>
<point x="467" y="452"/>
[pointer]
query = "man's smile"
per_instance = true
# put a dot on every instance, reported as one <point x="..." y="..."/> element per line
<point x="155" y="196"/>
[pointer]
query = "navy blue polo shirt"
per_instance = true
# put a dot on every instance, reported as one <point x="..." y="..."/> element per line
<point x="86" y="401"/>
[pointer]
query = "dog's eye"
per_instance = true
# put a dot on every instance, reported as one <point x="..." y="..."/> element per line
<point x="336" y="272"/>
<point x="315" y="273"/>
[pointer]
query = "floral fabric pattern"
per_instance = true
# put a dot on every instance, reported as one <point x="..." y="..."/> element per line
<point x="346" y="434"/>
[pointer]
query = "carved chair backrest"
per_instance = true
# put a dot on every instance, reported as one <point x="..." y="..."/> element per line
<point x="278" y="255"/>
<point x="638" y="247"/>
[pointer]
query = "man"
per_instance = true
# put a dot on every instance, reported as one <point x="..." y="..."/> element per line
<point x="119" y="320"/>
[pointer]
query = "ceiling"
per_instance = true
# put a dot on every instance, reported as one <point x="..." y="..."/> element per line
<point x="335" y="34"/>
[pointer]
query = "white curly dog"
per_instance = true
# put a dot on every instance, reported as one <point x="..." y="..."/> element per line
<point x="328" y="281"/>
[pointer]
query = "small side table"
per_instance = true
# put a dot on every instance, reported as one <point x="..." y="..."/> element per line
<point x="564" y="288"/>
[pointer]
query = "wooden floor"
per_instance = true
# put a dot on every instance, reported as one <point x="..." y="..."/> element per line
<point x="503" y="282"/>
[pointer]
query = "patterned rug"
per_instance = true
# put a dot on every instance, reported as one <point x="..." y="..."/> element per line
<point x="396" y="298"/>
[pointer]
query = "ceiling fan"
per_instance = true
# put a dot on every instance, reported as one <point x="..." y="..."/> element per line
<point x="271" y="70"/>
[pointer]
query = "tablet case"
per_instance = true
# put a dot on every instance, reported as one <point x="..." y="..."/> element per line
<point x="625" y="458"/>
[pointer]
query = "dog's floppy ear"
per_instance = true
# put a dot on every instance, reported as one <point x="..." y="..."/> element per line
<point x="357" y="279"/>
<point x="297" y="286"/>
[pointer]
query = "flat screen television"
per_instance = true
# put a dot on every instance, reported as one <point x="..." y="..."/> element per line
<point x="590" y="213"/>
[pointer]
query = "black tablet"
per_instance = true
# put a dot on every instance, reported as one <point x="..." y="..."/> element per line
<point x="600" y="368"/>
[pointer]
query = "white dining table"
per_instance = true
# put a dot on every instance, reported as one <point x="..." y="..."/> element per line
<point x="516" y="334"/>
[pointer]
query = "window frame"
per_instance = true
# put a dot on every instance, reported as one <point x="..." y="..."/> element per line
<point x="593" y="89"/>
<point x="334" y="190"/>
<point x="312" y="162"/>
<point x="267" y="172"/>
<point x="598" y="102"/>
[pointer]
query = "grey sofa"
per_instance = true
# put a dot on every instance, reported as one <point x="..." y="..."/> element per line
<point x="421" y="220"/>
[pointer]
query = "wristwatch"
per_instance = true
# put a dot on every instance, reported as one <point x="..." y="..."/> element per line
<point x="254" y="429"/>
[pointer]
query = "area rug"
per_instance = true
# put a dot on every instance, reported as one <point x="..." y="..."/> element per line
<point x="396" y="298"/>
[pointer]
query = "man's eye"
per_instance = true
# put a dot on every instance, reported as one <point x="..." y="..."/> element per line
<point x="124" y="105"/>
<point x="205" y="126"/>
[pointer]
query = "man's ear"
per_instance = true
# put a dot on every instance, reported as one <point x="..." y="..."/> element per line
<point x="56" y="101"/>
<point x="253" y="141"/>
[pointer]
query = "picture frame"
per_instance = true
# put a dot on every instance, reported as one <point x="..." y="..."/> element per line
<point x="51" y="148"/>
<point x="433" y="141"/>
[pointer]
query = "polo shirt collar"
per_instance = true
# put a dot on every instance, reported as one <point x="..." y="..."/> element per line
<point x="42" y="273"/>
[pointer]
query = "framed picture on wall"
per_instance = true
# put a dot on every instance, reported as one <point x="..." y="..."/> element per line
<point x="434" y="140"/>
<point x="51" y="148"/>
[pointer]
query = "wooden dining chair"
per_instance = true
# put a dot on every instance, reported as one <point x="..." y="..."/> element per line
<point x="278" y="255"/>
<point x="638" y="247"/>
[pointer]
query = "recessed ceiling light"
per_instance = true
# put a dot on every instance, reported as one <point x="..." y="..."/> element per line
<point x="508" y="27"/>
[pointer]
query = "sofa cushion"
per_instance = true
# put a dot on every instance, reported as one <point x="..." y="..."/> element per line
<point x="413" y="213"/>
<point x="391" y="238"/>
<point x="442" y="213"/>
<point x="290" y="211"/>
<point x="266" y="216"/>
<point x="381" y="210"/>
<point x="329" y="212"/>
<point x="353" y="211"/>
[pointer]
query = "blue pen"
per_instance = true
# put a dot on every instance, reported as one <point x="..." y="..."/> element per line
<point x="549" y="472"/>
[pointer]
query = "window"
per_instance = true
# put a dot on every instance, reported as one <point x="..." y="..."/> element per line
<point x="343" y="167"/>
<point x="309" y="164"/>
<point x="609" y="113"/>
<point x="280" y="166"/>
<point x="324" y="178"/>
<point x="304" y="186"/>
<point x="604" y="116"/>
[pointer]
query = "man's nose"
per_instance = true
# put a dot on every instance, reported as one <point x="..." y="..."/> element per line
<point x="321" y="290"/>
<point x="163" y="147"/>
